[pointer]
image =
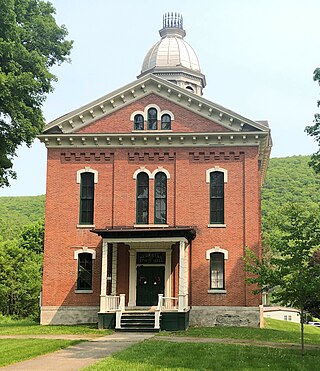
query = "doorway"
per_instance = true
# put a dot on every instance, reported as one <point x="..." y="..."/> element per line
<point x="150" y="283"/>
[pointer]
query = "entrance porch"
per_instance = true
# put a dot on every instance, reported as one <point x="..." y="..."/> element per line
<point x="145" y="278"/>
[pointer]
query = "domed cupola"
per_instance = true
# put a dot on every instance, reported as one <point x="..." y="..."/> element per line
<point x="173" y="59"/>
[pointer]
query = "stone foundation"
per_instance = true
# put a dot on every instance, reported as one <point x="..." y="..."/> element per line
<point x="68" y="315"/>
<point x="224" y="316"/>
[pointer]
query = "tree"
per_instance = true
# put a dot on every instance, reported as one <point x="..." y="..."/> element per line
<point x="21" y="273"/>
<point x="314" y="130"/>
<point x="32" y="237"/>
<point x="30" y="44"/>
<point x="292" y="269"/>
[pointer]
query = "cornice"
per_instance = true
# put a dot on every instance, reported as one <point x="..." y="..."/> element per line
<point x="153" y="139"/>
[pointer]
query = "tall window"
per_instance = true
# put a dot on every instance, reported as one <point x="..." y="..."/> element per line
<point x="86" y="198"/>
<point x="138" y="122"/>
<point x="142" y="198"/>
<point x="152" y="119"/>
<point x="84" y="281"/>
<point x="217" y="270"/>
<point x="160" y="198"/>
<point x="165" y="122"/>
<point x="217" y="197"/>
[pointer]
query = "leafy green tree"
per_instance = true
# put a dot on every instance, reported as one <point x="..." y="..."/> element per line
<point x="290" y="269"/>
<point x="21" y="273"/>
<point x="30" y="44"/>
<point x="314" y="130"/>
<point x="32" y="237"/>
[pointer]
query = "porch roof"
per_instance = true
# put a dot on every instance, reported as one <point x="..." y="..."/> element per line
<point x="146" y="232"/>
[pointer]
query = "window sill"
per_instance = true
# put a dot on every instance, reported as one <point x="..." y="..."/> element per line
<point x="86" y="226"/>
<point x="217" y="225"/>
<point x="217" y="291"/>
<point x="150" y="225"/>
<point x="83" y="291"/>
<point x="153" y="131"/>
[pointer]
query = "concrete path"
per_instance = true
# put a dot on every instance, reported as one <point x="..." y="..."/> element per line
<point x="81" y="355"/>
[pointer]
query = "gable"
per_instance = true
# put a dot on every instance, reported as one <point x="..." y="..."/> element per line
<point x="144" y="87"/>
<point x="122" y="121"/>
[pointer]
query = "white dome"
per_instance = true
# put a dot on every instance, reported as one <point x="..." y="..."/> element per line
<point x="171" y="51"/>
<point x="173" y="59"/>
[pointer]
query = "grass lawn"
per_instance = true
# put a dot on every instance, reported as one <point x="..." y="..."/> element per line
<point x="276" y="331"/>
<point x="17" y="350"/>
<point x="25" y="327"/>
<point x="161" y="355"/>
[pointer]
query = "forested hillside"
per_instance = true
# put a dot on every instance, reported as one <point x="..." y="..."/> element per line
<point x="289" y="179"/>
<point x="17" y="212"/>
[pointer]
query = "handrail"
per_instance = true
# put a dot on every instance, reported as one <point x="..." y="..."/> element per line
<point x="119" y="311"/>
<point x="164" y="302"/>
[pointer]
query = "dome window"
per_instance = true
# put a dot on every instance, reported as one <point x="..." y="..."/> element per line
<point x="190" y="88"/>
<point x="138" y="122"/>
<point x="152" y="119"/>
<point x="165" y="122"/>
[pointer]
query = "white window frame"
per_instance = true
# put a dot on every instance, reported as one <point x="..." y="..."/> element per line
<point x="226" y="255"/>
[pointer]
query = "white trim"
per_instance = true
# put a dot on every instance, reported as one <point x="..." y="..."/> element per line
<point x="86" y="250"/>
<point x="217" y="291"/>
<point x="87" y="169"/>
<point x="158" y="170"/>
<point x="165" y="112"/>
<point x="217" y="249"/>
<point x="217" y="168"/>
<point x="137" y="113"/>
<point x="142" y="169"/>
<point x="146" y="108"/>
<point x="83" y="291"/>
<point x="114" y="269"/>
<point x="86" y="226"/>
<point x="217" y="225"/>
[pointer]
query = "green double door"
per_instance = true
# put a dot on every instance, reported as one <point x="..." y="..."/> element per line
<point x="150" y="283"/>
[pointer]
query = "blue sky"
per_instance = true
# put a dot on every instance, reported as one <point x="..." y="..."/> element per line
<point x="258" y="58"/>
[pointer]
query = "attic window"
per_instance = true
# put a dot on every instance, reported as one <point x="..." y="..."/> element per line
<point x="190" y="88"/>
<point x="152" y="119"/>
<point x="138" y="122"/>
<point x="165" y="122"/>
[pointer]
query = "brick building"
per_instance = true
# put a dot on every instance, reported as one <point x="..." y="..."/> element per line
<point x="152" y="194"/>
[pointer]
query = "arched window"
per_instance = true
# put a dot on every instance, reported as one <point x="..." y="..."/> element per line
<point x="217" y="197"/>
<point x="217" y="276"/>
<point x="160" y="198"/>
<point x="142" y="206"/>
<point x="165" y="122"/>
<point x="138" y="122"/>
<point x="84" y="281"/>
<point x="152" y="119"/>
<point x="86" y="198"/>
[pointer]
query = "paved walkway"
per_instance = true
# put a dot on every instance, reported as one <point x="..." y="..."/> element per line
<point x="80" y="355"/>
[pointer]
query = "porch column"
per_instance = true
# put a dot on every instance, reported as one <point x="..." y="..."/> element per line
<point x="182" y="303"/>
<point x="114" y="269"/>
<point x="104" y="268"/>
<point x="132" y="278"/>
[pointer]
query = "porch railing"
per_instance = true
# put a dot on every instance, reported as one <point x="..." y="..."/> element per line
<point x="119" y="310"/>
<point x="164" y="303"/>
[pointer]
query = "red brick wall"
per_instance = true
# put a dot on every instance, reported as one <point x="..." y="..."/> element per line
<point x="188" y="205"/>
<point x="184" y="120"/>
